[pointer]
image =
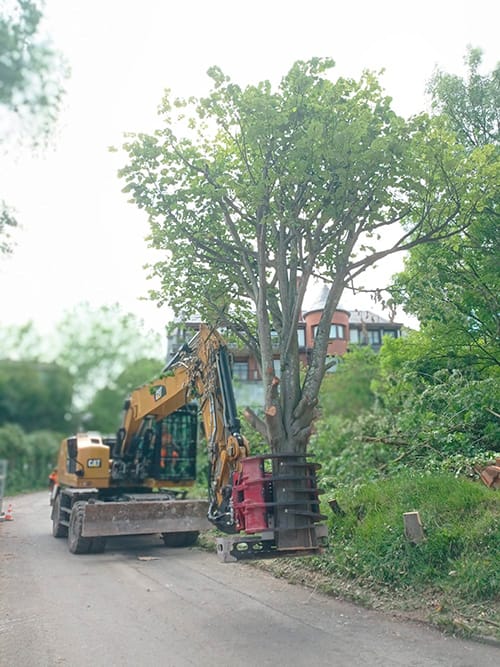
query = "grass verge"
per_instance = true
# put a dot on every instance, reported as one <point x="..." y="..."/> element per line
<point x="451" y="579"/>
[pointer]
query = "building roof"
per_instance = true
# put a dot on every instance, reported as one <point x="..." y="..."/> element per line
<point x="316" y="298"/>
<point x="367" y="317"/>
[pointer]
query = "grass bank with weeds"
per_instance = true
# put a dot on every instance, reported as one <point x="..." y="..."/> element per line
<point x="451" y="579"/>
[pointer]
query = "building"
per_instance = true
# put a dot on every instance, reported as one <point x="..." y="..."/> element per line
<point x="348" y="328"/>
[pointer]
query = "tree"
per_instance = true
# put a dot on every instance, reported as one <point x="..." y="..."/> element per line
<point x="97" y="344"/>
<point x="103" y="347"/>
<point x="107" y="405"/>
<point x="471" y="106"/>
<point x="347" y="392"/>
<point x="453" y="286"/>
<point x="31" y="85"/>
<point x="35" y="395"/>
<point x="7" y="223"/>
<point x="252" y="193"/>
<point x="31" y="70"/>
<point x="22" y="343"/>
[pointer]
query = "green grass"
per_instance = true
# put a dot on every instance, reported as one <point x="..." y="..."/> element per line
<point x="451" y="579"/>
<point x="461" y="549"/>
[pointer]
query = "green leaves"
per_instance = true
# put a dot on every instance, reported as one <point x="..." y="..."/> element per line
<point x="471" y="105"/>
<point x="35" y="395"/>
<point x="453" y="286"/>
<point x="31" y="71"/>
<point x="298" y="165"/>
<point x="7" y="223"/>
<point x="251" y="191"/>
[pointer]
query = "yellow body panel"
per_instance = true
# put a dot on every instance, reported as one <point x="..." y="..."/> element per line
<point x="91" y="467"/>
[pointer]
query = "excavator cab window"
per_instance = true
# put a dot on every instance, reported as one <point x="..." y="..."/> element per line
<point x="175" y="445"/>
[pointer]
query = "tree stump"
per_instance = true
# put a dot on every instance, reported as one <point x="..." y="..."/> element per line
<point x="413" y="527"/>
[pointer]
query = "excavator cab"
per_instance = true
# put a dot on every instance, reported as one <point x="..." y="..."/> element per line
<point x="176" y="439"/>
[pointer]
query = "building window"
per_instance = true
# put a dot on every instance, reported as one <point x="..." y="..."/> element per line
<point x="390" y="332"/>
<point x="337" y="331"/>
<point x="301" y="337"/>
<point x="354" y="336"/>
<point x="240" y="370"/>
<point x="374" y="337"/>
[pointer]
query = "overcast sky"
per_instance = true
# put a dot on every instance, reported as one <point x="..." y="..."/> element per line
<point x="80" y="239"/>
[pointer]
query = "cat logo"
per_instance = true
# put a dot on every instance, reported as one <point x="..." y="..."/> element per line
<point x="94" y="463"/>
<point x="160" y="392"/>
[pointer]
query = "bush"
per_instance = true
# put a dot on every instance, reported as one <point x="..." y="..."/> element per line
<point x="30" y="457"/>
<point x="445" y="424"/>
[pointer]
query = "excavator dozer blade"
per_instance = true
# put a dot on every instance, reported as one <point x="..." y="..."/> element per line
<point x="144" y="517"/>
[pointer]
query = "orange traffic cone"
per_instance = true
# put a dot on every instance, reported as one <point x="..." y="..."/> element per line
<point x="8" y="514"/>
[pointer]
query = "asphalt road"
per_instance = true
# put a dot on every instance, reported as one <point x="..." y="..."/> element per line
<point x="140" y="603"/>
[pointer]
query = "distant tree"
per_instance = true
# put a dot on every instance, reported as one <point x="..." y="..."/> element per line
<point x="102" y="349"/>
<point x="347" y="392"/>
<point x="471" y="105"/>
<point x="35" y="395"/>
<point x="31" y="86"/>
<point x="22" y="342"/>
<point x="98" y="344"/>
<point x="252" y="193"/>
<point x="7" y="223"/>
<point x="104" y="411"/>
<point x="453" y="286"/>
<point x="31" y="70"/>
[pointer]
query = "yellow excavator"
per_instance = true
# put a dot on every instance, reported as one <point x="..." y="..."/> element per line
<point x="136" y="482"/>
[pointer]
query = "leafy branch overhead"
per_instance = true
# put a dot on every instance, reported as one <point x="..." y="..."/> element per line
<point x="31" y="87"/>
<point x="253" y="192"/>
<point x="453" y="287"/>
<point x="31" y="70"/>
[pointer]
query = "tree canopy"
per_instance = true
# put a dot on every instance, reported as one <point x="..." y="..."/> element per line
<point x="453" y="286"/>
<point x="254" y="192"/>
<point x="35" y="395"/>
<point x="31" y="70"/>
<point x="31" y="86"/>
<point x="471" y="105"/>
<point x="99" y="352"/>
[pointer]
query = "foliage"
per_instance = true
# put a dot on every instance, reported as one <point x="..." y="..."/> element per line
<point x="97" y="344"/>
<point x="347" y="392"/>
<point x="35" y="395"/>
<point x="23" y="343"/>
<point x="426" y="416"/>
<point x="31" y="86"/>
<point x="30" y="457"/>
<point x="7" y="223"/>
<point x="460" y="555"/>
<point x="453" y="286"/>
<point x="253" y="192"/>
<point x="100" y="353"/>
<point x="31" y="70"/>
<point x="104" y="410"/>
<point x="471" y="105"/>
<point x="449" y="427"/>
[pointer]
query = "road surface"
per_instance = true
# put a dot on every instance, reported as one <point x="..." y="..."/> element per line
<point x="140" y="603"/>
